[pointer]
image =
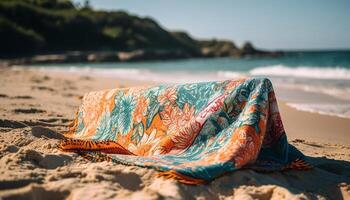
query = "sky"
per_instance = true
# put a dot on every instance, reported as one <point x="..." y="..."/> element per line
<point x="269" y="24"/>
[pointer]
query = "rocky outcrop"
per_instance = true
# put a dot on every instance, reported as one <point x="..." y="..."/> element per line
<point x="141" y="55"/>
<point x="218" y="48"/>
<point x="226" y="48"/>
<point x="248" y="50"/>
<point x="208" y="49"/>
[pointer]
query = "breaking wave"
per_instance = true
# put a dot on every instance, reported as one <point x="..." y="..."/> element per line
<point x="339" y="73"/>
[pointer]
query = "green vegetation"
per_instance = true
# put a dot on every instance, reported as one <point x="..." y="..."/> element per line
<point x="113" y="32"/>
<point x="30" y="27"/>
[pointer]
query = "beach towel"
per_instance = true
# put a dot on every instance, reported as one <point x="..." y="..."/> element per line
<point x="189" y="132"/>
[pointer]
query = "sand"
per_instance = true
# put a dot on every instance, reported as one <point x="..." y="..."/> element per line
<point x="36" y="106"/>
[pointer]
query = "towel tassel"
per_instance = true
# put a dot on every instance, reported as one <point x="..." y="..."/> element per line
<point x="172" y="174"/>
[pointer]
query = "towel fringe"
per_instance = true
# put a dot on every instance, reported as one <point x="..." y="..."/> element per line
<point x="72" y="126"/>
<point x="96" y="157"/>
<point x="298" y="164"/>
<point x="172" y="174"/>
<point x="108" y="146"/>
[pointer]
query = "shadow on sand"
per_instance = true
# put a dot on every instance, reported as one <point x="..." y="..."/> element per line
<point x="329" y="178"/>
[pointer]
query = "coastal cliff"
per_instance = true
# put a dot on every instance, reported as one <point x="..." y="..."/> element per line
<point x="42" y="31"/>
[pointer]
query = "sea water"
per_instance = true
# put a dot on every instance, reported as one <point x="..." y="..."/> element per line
<point x="313" y="81"/>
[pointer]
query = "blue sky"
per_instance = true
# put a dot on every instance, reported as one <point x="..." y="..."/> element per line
<point x="270" y="24"/>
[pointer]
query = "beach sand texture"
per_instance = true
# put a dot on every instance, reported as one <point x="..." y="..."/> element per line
<point x="36" y="106"/>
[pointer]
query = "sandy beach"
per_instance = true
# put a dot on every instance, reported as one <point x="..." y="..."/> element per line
<point x="36" y="106"/>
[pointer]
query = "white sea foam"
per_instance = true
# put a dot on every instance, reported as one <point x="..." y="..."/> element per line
<point x="86" y="70"/>
<point x="337" y="73"/>
<point x="300" y="83"/>
<point x="137" y="74"/>
<point x="333" y="82"/>
<point x="339" y="110"/>
<point x="303" y="72"/>
<point x="342" y="93"/>
<point x="229" y="74"/>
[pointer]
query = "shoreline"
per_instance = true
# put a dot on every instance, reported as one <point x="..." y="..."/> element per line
<point x="315" y="127"/>
<point x="299" y="97"/>
<point x="295" y="125"/>
<point x="36" y="105"/>
<point x="290" y="115"/>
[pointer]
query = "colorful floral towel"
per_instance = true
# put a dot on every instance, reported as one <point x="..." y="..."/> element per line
<point x="191" y="132"/>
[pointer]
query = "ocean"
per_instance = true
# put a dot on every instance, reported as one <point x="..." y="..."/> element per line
<point x="313" y="81"/>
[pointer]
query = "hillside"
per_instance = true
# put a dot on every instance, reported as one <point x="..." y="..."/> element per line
<point x="41" y="27"/>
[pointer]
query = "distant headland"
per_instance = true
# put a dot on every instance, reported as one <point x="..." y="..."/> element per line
<point x="57" y="31"/>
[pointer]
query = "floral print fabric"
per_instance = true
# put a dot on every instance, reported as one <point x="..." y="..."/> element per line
<point x="196" y="131"/>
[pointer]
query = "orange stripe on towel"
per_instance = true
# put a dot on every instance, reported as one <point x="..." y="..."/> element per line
<point x="89" y="145"/>
<point x="172" y="174"/>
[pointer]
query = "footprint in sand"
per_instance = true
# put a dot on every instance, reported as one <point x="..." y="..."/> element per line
<point x="70" y="88"/>
<point x="23" y="97"/>
<point x="3" y="96"/>
<point x="51" y="120"/>
<point x="4" y="123"/>
<point x="33" y="190"/>
<point x="47" y="161"/>
<point x="70" y="95"/>
<point x="87" y="78"/>
<point x="39" y="131"/>
<point x="17" y="183"/>
<point x="11" y="148"/>
<point x="39" y="123"/>
<point x="298" y="141"/>
<point x="43" y="88"/>
<point x="36" y="79"/>
<point x="28" y="111"/>
<point x="11" y="124"/>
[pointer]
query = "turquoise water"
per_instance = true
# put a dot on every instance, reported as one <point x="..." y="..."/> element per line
<point x="320" y="59"/>
<point x="310" y="81"/>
